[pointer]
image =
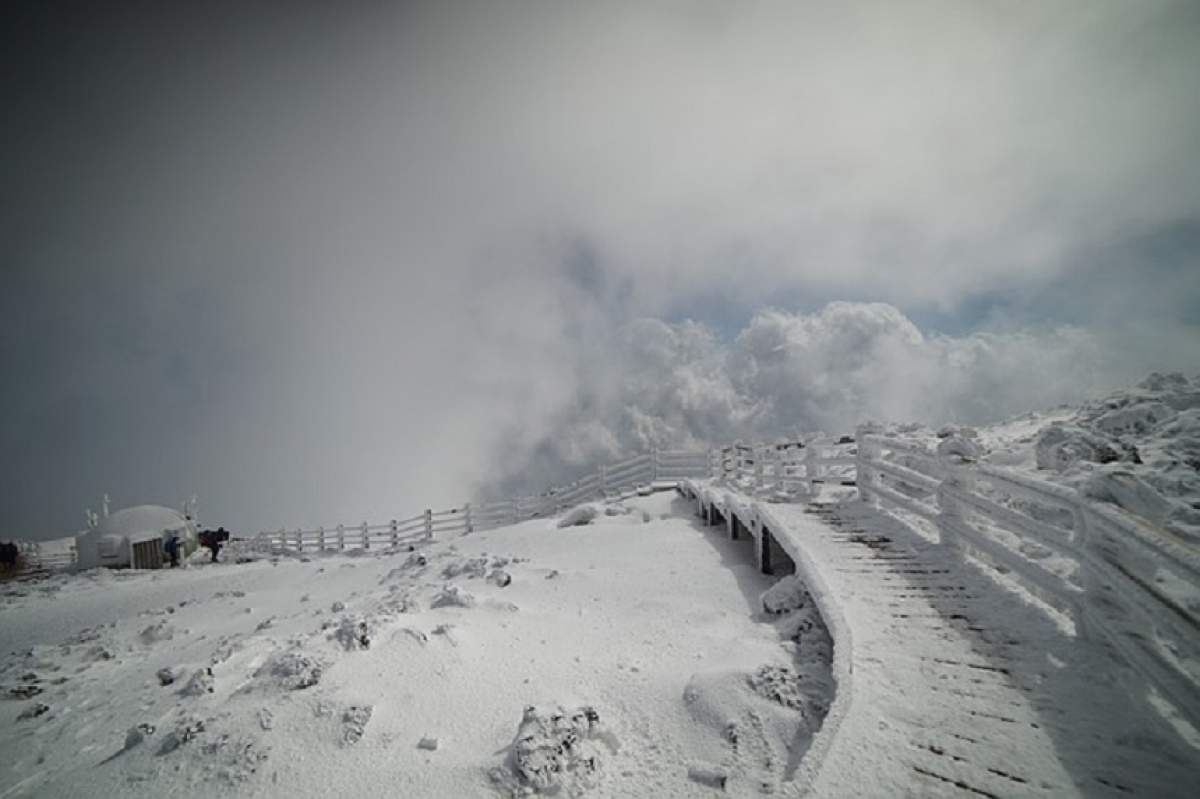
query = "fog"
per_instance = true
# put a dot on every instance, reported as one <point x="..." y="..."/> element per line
<point x="321" y="264"/>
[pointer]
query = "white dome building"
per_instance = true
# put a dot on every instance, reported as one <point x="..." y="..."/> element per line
<point x="134" y="537"/>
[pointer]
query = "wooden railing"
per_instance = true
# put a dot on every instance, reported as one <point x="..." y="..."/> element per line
<point x="1116" y="565"/>
<point x="621" y="479"/>
<point x="33" y="561"/>
<point x="1105" y="570"/>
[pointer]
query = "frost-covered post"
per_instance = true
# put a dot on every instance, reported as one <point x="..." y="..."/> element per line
<point x="956" y="478"/>
<point x="321" y="538"/>
<point x="428" y="523"/>
<point x="1090" y="579"/>
<point x="365" y="536"/>
<point x="812" y="466"/>
<point x="654" y="464"/>
<point x="341" y="531"/>
<point x="299" y="540"/>
<point x="863" y="474"/>
<point x="467" y="518"/>
<point x="395" y="534"/>
<point x="759" y="454"/>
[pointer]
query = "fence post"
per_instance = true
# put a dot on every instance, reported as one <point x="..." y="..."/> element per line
<point x="954" y="477"/>
<point x="366" y="537"/>
<point x="395" y="534"/>
<point x="862" y="467"/>
<point x="299" y="540"/>
<point x="812" y="467"/>
<point x="428" y="523"/>
<point x="759" y="454"/>
<point x="341" y="531"/>
<point x="467" y="518"/>
<point x="321" y="538"/>
<point x="654" y="464"/>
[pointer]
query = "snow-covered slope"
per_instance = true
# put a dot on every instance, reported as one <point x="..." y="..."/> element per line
<point x="629" y="656"/>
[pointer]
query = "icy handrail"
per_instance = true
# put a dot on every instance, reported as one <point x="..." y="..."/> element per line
<point x="1118" y="557"/>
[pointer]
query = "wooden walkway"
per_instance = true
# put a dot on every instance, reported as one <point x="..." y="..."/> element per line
<point x="948" y="684"/>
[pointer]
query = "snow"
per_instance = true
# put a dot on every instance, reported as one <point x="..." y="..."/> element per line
<point x="244" y="678"/>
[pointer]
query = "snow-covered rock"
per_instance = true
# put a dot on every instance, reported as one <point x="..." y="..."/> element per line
<point x="354" y="723"/>
<point x="786" y="595"/>
<point x="959" y="446"/>
<point x="291" y="670"/>
<point x="579" y="516"/>
<point x="554" y="751"/>
<point x="452" y="596"/>
<point x="1126" y="490"/>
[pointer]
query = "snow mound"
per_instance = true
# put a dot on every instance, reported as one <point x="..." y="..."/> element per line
<point x="452" y="596"/>
<point x="471" y="567"/>
<point x="579" y="516"/>
<point x="1060" y="446"/>
<point x="1126" y="490"/>
<point x="292" y="670"/>
<point x="354" y="723"/>
<point x="157" y="633"/>
<point x="786" y="595"/>
<point x="554" y="752"/>
<point x="200" y="683"/>
<point x="352" y="634"/>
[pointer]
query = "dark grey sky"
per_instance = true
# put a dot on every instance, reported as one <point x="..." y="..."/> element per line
<point x="326" y="262"/>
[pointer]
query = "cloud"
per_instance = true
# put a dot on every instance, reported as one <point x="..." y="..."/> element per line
<point x="679" y="385"/>
<point x="322" y="266"/>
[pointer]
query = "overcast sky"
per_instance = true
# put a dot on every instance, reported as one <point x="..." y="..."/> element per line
<point x="329" y="262"/>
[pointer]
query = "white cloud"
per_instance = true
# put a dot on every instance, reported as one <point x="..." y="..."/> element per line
<point x="680" y="386"/>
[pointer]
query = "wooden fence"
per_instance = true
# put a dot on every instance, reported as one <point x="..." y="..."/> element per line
<point x="661" y="468"/>
<point x="1107" y="570"/>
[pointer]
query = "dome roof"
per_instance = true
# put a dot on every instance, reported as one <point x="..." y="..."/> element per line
<point x="142" y="522"/>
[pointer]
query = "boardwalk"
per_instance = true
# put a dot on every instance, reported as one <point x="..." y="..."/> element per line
<point x="948" y="684"/>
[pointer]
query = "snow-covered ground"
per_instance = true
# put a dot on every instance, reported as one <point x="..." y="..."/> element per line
<point x="625" y="657"/>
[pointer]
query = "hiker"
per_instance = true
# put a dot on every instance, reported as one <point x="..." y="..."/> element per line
<point x="212" y="539"/>
<point x="172" y="550"/>
<point x="9" y="553"/>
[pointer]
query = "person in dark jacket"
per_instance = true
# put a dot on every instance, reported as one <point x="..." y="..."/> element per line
<point x="212" y="540"/>
<point x="10" y="554"/>
<point x="172" y="550"/>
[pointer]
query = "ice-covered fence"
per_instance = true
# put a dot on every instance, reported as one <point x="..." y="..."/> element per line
<point x="37" y="559"/>
<point x="783" y="468"/>
<point x="1114" y="575"/>
<point x="657" y="468"/>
